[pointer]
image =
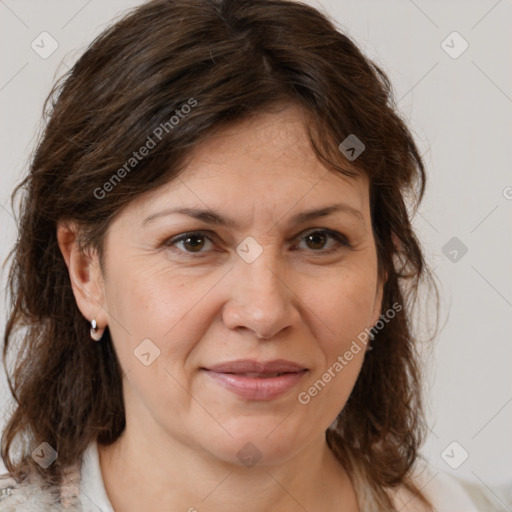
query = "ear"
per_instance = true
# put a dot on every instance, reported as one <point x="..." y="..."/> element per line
<point x="377" y="305"/>
<point x="84" y="273"/>
<point x="379" y="294"/>
<point x="398" y="246"/>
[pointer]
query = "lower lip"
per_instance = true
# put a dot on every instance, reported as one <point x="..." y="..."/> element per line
<point x="257" y="388"/>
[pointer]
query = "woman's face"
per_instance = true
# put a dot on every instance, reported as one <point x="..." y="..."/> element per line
<point x="252" y="285"/>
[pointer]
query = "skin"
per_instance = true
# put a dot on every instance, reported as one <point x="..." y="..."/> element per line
<point x="295" y="302"/>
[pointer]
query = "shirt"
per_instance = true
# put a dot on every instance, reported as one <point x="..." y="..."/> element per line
<point x="93" y="496"/>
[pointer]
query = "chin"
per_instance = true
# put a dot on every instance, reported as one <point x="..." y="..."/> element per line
<point x="260" y="444"/>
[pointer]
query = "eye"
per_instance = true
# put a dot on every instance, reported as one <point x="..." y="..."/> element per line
<point x="193" y="242"/>
<point x="197" y="242"/>
<point x="317" y="239"/>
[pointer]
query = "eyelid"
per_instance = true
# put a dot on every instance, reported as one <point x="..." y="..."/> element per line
<point x="342" y="241"/>
<point x="331" y="232"/>
<point x="170" y="242"/>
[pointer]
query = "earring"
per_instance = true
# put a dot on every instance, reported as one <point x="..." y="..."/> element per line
<point x="96" y="333"/>
<point x="371" y="338"/>
<point x="334" y="424"/>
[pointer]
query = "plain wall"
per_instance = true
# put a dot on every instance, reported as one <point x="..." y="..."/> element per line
<point x="460" y="112"/>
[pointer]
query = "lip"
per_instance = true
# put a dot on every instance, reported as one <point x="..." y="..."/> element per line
<point x="233" y="377"/>
<point x="251" y="366"/>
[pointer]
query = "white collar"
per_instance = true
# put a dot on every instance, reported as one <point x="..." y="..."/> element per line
<point x="93" y="496"/>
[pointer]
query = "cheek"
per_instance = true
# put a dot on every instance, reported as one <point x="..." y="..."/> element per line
<point x="343" y="305"/>
<point x="342" y="310"/>
<point x="158" y="303"/>
<point x="138" y="290"/>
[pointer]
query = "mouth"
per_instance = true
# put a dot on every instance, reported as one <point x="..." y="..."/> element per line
<point x="251" y="380"/>
<point x="259" y="375"/>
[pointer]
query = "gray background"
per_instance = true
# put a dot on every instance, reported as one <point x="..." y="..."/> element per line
<point x="460" y="112"/>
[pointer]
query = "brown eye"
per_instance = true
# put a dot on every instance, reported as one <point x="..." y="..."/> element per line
<point x="190" y="242"/>
<point x="194" y="243"/>
<point x="318" y="241"/>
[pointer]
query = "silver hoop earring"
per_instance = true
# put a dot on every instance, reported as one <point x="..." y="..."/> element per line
<point x="371" y="338"/>
<point x="95" y="332"/>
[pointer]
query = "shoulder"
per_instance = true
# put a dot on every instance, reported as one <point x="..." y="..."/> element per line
<point x="27" y="496"/>
<point x="7" y="485"/>
<point x="445" y="493"/>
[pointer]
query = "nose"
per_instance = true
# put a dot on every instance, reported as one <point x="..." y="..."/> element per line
<point x="260" y="299"/>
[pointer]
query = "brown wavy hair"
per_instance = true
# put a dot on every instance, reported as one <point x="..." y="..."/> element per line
<point x="235" y="58"/>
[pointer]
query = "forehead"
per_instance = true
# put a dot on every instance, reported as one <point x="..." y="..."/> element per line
<point x="267" y="141"/>
<point x="264" y="165"/>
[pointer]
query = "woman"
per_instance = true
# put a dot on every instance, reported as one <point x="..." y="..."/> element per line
<point x="215" y="275"/>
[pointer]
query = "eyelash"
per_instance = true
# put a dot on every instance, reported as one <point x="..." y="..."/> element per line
<point x="340" y="239"/>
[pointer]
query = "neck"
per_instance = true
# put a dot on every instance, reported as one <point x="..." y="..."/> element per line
<point x="149" y="475"/>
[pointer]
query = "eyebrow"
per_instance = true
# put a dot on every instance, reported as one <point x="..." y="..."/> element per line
<point x="214" y="217"/>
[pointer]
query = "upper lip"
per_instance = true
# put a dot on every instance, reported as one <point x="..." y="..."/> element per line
<point x="250" y="366"/>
